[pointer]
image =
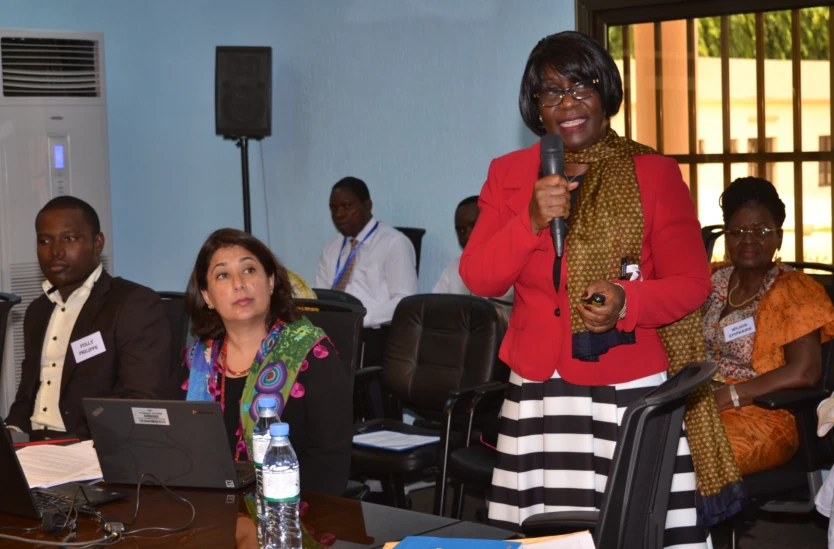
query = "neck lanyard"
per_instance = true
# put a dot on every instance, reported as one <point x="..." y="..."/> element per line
<point x="341" y="271"/>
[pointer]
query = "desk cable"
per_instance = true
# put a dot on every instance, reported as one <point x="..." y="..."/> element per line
<point x="170" y="530"/>
<point x="113" y="528"/>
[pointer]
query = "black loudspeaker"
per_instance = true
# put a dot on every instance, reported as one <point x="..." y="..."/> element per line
<point x="243" y="92"/>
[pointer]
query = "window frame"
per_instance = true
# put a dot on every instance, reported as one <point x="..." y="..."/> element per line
<point x="595" y="17"/>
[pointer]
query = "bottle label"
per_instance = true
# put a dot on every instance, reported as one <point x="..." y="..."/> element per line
<point x="281" y="486"/>
<point x="260" y="444"/>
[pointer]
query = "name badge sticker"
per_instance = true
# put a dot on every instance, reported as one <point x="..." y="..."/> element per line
<point x="739" y="329"/>
<point x="87" y="347"/>
<point x="150" y="416"/>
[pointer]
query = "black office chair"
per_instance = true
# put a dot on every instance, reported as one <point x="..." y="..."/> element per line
<point x="826" y="277"/>
<point x="439" y="345"/>
<point x="636" y="498"/>
<point x="415" y="235"/>
<point x="7" y="301"/>
<point x="174" y="303"/>
<point x="470" y="466"/>
<point x="709" y="235"/>
<point x="342" y="322"/>
<point x="325" y="294"/>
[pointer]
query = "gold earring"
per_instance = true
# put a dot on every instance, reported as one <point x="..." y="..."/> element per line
<point x="540" y="119"/>
<point x="210" y="307"/>
<point x="777" y="259"/>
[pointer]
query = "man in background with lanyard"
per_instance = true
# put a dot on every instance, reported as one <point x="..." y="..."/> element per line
<point x="369" y="260"/>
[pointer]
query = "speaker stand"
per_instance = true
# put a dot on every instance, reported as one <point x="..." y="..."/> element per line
<point x="243" y="143"/>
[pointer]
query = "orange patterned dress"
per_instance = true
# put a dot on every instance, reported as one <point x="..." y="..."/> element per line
<point x="789" y="305"/>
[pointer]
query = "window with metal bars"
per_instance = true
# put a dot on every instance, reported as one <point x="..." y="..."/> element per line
<point x="701" y="78"/>
<point x="753" y="167"/>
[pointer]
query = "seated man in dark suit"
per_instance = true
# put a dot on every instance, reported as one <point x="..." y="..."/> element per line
<point x="89" y="335"/>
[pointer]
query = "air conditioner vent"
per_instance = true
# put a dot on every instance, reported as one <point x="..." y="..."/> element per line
<point x="50" y="67"/>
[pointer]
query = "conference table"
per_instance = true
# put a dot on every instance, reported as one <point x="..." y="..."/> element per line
<point x="222" y="522"/>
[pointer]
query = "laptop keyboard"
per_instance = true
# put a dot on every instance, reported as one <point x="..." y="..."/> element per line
<point x="50" y="501"/>
<point x="245" y="472"/>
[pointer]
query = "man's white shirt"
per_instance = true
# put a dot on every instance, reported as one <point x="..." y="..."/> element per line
<point x="384" y="270"/>
<point x="450" y="282"/>
<point x="47" y="413"/>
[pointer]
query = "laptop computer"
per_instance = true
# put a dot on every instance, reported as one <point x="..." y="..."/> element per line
<point x="181" y="443"/>
<point x="18" y="499"/>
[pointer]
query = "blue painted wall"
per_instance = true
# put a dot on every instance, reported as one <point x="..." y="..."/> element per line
<point x="413" y="96"/>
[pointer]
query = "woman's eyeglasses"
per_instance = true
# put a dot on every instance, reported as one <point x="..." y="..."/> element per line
<point x="758" y="234"/>
<point x="552" y="97"/>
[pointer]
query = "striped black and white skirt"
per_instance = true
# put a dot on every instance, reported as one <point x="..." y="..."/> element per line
<point x="555" y="445"/>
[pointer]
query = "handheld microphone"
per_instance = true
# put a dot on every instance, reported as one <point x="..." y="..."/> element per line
<point x="553" y="162"/>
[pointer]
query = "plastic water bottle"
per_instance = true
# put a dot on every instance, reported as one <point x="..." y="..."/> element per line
<point x="282" y="491"/>
<point x="267" y="415"/>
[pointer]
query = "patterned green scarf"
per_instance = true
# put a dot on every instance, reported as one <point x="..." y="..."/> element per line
<point x="279" y="360"/>
<point x="277" y="364"/>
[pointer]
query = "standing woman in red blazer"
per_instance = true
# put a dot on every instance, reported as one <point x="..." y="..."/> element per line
<point x="633" y="236"/>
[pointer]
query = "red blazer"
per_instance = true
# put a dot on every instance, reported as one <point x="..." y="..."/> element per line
<point x="503" y="251"/>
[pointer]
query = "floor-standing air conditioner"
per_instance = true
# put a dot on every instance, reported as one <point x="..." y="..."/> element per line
<point x="53" y="141"/>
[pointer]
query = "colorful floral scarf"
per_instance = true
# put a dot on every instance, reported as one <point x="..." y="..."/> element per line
<point x="607" y="226"/>
<point x="277" y="364"/>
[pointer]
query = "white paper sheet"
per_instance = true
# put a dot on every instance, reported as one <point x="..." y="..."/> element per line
<point x="50" y="465"/>
<point x="391" y="440"/>
<point x="580" y="540"/>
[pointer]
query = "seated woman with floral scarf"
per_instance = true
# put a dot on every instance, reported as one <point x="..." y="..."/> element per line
<point x="253" y="342"/>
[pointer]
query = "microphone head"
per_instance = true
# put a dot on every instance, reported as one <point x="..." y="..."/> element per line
<point x="551" y="143"/>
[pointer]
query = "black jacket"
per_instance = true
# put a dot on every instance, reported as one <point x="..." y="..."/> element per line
<point x="135" y="363"/>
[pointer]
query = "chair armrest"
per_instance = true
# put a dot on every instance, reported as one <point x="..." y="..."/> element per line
<point x="488" y="388"/>
<point x="366" y="374"/>
<point x="559" y="522"/>
<point x="457" y="395"/>
<point x="488" y="394"/>
<point x="802" y="403"/>
<point x="791" y="399"/>
<point x="10" y="298"/>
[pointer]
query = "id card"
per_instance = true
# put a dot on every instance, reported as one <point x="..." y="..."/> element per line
<point x="739" y="329"/>
<point x="87" y="347"/>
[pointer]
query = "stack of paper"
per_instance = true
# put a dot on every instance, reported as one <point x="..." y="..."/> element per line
<point x="391" y="440"/>
<point x="50" y="465"/>
<point x="579" y="540"/>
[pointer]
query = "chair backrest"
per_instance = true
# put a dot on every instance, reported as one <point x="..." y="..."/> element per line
<point x="827" y="381"/>
<point x="342" y="322"/>
<point x="826" y="277"/>
<point x="326" y="294"/>
<point x="710" y="234"/>
<point x="7" y="301"/>
<point x="442" y="342"/>
<point x="415" y="235"/>
<point x="174" y="303"/>
<point x="633" y="510"/>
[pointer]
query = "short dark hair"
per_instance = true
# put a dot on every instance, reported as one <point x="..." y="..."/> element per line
<point x="354" y="185"/>
<point x="576" y="57"/>
<point x="205" y="322"/>
<point x="746" y="191"/>
<point x="72" y="203"/>
<point x="467" y="201"/>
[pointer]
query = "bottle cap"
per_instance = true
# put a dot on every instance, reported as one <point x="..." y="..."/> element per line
<point x="267" y="402"/>
<point x="279" y="430"/>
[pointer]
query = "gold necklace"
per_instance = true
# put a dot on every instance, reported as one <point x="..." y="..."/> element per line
<point x="743" y="303"/>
